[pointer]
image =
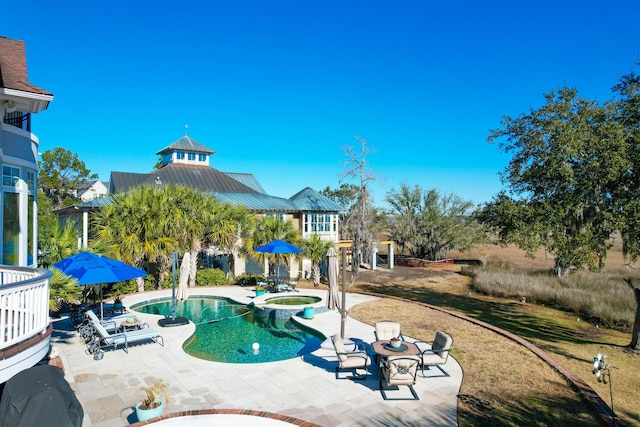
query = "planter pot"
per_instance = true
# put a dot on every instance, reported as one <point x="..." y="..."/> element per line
<point x="395" y="343"/>
<point x="259" y="293"/>
<point x="147" y="414"/>
<point x="309" y="312"/>
<point x="117" y="306"/>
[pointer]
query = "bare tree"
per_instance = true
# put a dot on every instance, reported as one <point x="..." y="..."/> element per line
<point x="359" y="221"/>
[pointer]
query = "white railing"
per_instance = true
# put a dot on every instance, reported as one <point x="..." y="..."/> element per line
<point x="24" y="304"/>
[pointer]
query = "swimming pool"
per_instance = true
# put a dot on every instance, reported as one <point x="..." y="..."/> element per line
<point x="226" y="331"/>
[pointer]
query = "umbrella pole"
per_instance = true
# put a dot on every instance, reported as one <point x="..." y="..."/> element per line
<point x="343" y="308"/>
<point x="174" y="261"/>
<point x="101" y="300"/>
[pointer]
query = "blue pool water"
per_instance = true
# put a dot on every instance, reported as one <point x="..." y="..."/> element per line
<point x="226" y="331"/>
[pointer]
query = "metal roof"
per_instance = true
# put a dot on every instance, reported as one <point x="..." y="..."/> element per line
<point x="202" y="178"/>
<point x="306" y="200"/>
<point x="312" y="201"/>
<point x="247" y="179"/>
<point x="187" y="144"/>
<point x="258" y="202"/>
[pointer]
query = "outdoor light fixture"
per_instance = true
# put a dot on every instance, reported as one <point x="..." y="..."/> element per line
<point x="602" y="370"/>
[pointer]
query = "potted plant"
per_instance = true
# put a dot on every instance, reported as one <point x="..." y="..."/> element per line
<point x="259" y="290"/>
<point x="395" y="342"/>
<point x="117" y="302"/>
<point x="152" y="406"/>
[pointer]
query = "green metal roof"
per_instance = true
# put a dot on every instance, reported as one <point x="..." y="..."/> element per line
<point x="247" y="179"/>
<point x="257" y="202"/>
<point x="187" y="144"/>
<point x="312" y="201"/>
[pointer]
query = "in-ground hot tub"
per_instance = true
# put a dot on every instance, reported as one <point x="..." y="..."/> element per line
<point x="293" y="300"/>
<point x="285" y="306"/>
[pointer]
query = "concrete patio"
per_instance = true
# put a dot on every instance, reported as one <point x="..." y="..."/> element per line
<point x="304" y="388"/>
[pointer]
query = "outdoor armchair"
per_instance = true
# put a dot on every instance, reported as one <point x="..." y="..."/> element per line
<point x="386" y="329"/>
<point x="350" y="360"/>
<point x="436" y="352"/>
<point x="396" y="371"/>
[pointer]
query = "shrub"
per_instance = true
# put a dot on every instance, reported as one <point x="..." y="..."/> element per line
<point x="247" y="279"/>
<point x="123" y="288"/>
<point x="211" y="277"/>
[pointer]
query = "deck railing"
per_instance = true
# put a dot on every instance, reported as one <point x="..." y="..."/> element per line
<point x="24" y="304"/>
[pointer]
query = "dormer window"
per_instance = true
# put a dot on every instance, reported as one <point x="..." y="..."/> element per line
<point x="186" y="151"/>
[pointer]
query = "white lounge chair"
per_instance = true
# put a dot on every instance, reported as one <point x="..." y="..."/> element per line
<point x="104" y="339"/>
<point x="112" y="324"/>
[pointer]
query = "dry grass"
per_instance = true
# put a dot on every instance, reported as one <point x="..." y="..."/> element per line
<point x="534" y="396"/>
<point x="503" y="383"/>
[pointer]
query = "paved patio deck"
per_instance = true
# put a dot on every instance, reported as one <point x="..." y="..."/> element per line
<point x="304" y="388"/>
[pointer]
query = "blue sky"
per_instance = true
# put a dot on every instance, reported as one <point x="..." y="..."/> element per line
<point x="278" y="88"/>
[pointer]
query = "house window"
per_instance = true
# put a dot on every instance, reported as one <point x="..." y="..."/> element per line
<point x="10" y="228"/>
<point x="180" y="155"/>
<point x="202" y="157"/>
<point x="191" y="156"/>
<point x="280" y="216"/>
<point x="10" y="176"/>
<point x="31" y="180"/>
<point x="319" y="223"/>
<point x="31" y="229"/>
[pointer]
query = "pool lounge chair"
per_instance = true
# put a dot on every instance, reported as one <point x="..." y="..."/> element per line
<point x="112" y="324"/>
<point x="104" y="339"/>
<point x="292" y="285"/>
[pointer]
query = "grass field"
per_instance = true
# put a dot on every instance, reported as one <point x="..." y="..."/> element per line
<point x="504" y="384"/>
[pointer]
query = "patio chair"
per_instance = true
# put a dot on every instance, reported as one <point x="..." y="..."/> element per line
<point x="292" y="285"/>
<point x="386" y="329"/>
<point x="396" y="371"/>
<point x="436" y="352"/>
<point x="112" y="324"/>
<point x="350" y="360"/>
<point x="104" y="339"/>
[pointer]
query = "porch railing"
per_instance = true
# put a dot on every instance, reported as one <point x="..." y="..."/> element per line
<point x="24" y="303"/>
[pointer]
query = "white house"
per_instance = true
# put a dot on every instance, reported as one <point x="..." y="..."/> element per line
<point x="25" y="326"/>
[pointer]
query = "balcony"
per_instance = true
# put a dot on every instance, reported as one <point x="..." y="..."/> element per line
<point x="25" y="327"/>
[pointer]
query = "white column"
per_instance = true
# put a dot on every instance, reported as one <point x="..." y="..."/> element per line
<point x="85" y="229"/>
<point x="374" y="257"/>
<point x="390" y="253"/>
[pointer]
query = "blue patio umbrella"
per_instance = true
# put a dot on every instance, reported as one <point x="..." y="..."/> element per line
<point x="92" y="269"/>
<point x="278" y="247"/>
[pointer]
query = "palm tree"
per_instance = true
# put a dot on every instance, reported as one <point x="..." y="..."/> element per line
<point x="194" y="216"/>
<point x="271" y="228"/>
<point x="57" y="241"/>
<point x="232" y="232"/>
<point x="316" y="250"/>
<point x="135" y="227"/>
<point x="62" y="288"/>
